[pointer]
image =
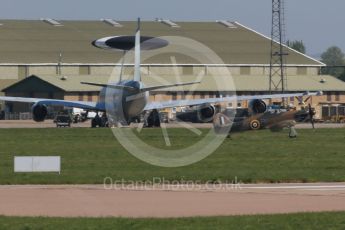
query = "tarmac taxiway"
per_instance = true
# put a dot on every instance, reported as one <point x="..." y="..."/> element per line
<point x="169" y="201"/>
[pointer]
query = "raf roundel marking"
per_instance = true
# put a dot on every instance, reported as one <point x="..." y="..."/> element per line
<point x="255" y="124"/>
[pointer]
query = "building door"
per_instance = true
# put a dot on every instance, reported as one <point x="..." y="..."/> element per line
<point x="325" y="112"/>
<point x="341" y="110"/>
<point x="333" y="111"/>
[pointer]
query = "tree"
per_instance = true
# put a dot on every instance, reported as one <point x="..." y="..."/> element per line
<point x="333" y="56"/>
<point x="342" y="76"/>
<point x="297" y="45"/>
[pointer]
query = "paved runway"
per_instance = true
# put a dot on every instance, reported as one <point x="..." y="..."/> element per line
<point x="169" y="201"/>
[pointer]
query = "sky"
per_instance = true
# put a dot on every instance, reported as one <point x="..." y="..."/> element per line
<point x="318" y="23"/>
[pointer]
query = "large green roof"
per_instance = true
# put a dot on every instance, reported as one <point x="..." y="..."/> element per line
<point x="30" y="41"/>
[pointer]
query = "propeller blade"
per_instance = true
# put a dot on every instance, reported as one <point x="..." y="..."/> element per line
<point x="300" y="100"/>
<point x="307" y="99"/>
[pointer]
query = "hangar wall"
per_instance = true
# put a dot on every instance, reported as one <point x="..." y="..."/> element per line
<point x="14" y="74"/>
<point x="17" y="72"/>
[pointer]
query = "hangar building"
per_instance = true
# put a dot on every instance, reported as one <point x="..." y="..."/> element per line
<point x="48" y="58"/>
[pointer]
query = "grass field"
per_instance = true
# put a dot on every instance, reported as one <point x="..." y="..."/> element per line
<point x="90" y="155"/>
<point x="289" y="221"/>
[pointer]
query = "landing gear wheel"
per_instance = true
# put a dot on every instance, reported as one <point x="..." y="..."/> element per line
<point x="153" y="119"/>
<point x="93" y="123"/>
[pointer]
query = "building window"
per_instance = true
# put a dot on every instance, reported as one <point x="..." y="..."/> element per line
<point x="187" y="70"/>
<point x="329" y="96"/>
<point x="325" y="112"/>
<point x="89" y="96"/>
<point x="337" y="96"/>
<point x="245" y="70"/>
<point x="84" y="70"/>
<point x="80" y="96"/>
<point x="333" y="110"/>
<point x="341" y="110"/>
<point x="202" y="95"/>
<point x="301" y="70"/>
<point x="22" y="72"/>
<point x="174" y="96"/>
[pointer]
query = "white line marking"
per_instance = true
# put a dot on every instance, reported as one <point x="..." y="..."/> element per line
<point x="141" y="125"/>
<point x="190" y="127"/>
<point x="165" y="134"/>
<point x="295" y="187"/>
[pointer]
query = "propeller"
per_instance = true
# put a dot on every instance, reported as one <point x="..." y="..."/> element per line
<point x="311" y="115"/>
<point x="301" y="101"/>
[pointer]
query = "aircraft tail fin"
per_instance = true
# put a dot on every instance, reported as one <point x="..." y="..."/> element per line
<point x="137" y="74"/>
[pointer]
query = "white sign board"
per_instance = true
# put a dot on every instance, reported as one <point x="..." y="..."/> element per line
<point x="37" y="164"/>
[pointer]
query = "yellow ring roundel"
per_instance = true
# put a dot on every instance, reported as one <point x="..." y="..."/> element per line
<point x="255" y="125"/>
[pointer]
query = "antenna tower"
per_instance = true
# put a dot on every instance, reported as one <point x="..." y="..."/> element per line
<point x="277" y="78"/>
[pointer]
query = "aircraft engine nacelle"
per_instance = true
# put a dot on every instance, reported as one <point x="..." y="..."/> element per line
<point x="257" y="106"/>
<point x="39" y="112"/>
<point x="205" y="113"/>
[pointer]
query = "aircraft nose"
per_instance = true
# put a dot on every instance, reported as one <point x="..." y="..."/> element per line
<point x="100" y="43"/>
<point x="94" y="43"/>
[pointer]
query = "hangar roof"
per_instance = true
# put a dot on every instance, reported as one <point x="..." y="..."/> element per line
<point x="36" y="41"/>
<point x="240" y="83"/>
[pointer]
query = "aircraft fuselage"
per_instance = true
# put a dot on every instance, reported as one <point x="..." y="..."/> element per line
<point x="124" y="104"/>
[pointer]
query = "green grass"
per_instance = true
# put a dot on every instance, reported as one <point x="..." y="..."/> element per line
<point x="90" y="155"/>
<point x="322" y="221"/>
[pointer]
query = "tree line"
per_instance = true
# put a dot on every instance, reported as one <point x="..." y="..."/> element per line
<point x="333" y="57"/>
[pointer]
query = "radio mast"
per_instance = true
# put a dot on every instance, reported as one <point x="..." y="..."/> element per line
<point x="277" y="78"/>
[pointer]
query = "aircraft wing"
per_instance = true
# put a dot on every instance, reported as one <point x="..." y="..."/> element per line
<point x="72" y="104"/>
<point x="193" y="102"/>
